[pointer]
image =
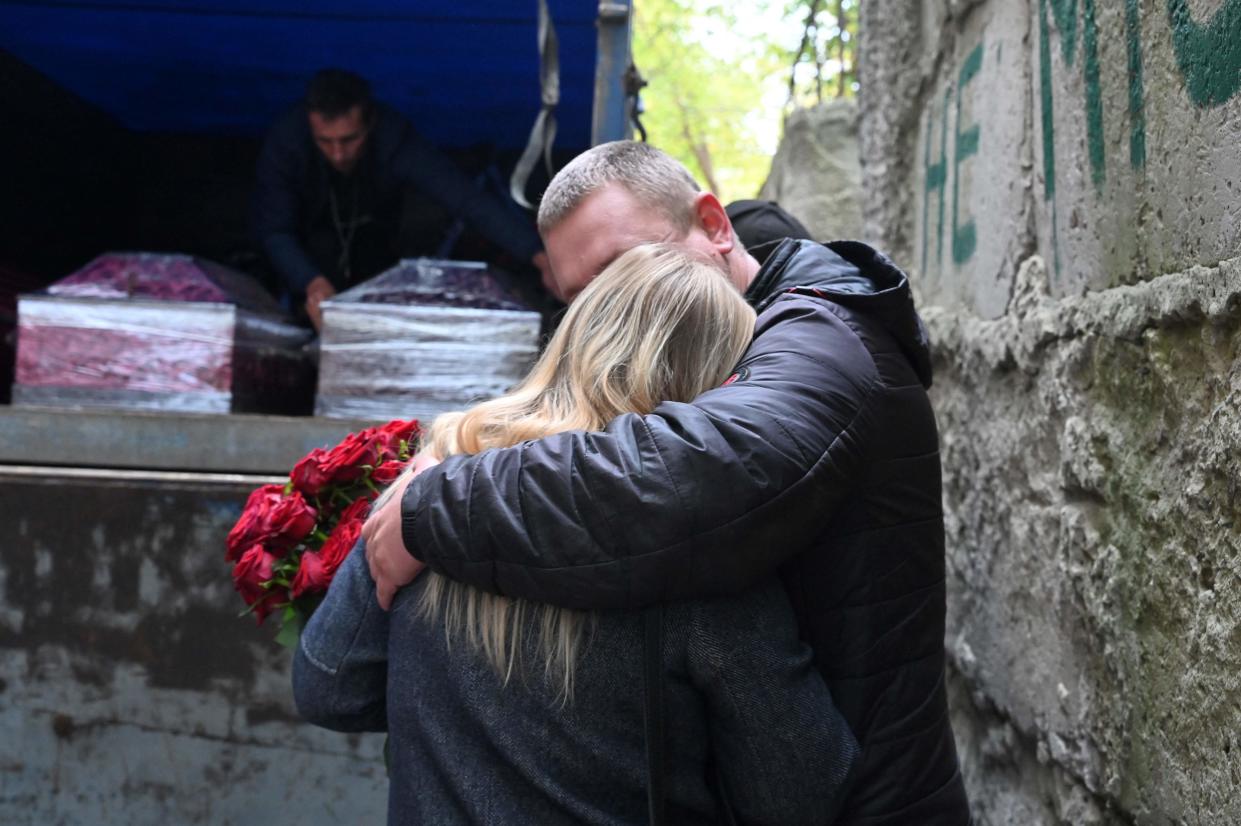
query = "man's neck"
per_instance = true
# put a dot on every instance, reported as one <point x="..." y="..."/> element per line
<point x="742" y="268"/>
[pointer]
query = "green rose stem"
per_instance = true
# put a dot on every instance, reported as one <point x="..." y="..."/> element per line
<point x="290" y="627"/>
<point x="250" y="609"/>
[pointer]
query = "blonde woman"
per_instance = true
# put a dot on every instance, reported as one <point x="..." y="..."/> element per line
<point x="505" y="711"/>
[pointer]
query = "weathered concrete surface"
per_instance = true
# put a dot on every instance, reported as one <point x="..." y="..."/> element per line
<point x="1103" y="134"/>
<point x="817" y="174"/>
<point x="1094" y="523"/>
<point x="893" y="70"/>
<point x="975" y="219"/>
<point x="1138" y="148"/>
<point x="130" y="690"/>
<point x="1062" y="180"/>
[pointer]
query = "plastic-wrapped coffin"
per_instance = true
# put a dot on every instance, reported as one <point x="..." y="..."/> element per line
<point x="159" y="332"/>
<point x="422" y="338"/>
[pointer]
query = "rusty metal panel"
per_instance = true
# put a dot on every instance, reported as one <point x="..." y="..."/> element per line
<point x="130" y="691"/>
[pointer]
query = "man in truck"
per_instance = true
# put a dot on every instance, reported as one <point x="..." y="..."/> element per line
<point x="334" y="175"/>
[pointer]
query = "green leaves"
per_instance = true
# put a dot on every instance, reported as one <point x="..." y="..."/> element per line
<point x="705" y="103"/>
<point x="291" y="622"/>
<point x="824" y="65"/>
<point x="720" y="73"/>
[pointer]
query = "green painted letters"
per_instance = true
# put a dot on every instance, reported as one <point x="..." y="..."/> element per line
<point x="964" y="236"/>
<point x="1209" y="56"/>
<point x="1065" y="14"/>
<point x="1049" y="117"/>
<point x="936" y="176"/>
<point x="1137" y="106"/>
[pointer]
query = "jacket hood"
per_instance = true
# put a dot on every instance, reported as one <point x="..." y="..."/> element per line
<point x="853" y="275"/>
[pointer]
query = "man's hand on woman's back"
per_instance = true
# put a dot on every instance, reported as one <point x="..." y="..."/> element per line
<point x="391" y="565"/>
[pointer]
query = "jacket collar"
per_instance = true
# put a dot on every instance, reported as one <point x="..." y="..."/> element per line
<point x="851" y="274"/>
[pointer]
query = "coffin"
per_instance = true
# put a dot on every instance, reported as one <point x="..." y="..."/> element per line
<point x="422" y="338"/>
<point x="151" y="331"/>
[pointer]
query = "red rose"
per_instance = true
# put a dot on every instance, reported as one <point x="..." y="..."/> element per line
<point x="273" y="522"/>
<point x="253" y="523"/>
<point x="343" y="537"/>
<point x="345" y="462"/>
<point x="390" y="436"/>
<point x="252" y="570"/>
<point x="308" y="475"/>
<point x="386" y="473"/>
<point x="357" y="511"/>
<point x="290" y="520"/>
<point x="271" y="517"/>
<point x="311" y="578"/>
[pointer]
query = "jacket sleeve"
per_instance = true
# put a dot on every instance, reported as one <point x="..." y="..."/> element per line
<point x="418" y="162"/>
<point x="690" y="501"/>
<point x="274" y="210"/>
<point x="340" y="668"/>
<point x="784" y="751"/>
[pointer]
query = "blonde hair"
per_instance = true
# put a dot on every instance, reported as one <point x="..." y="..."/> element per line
<point x="658" y="182"/>
<point x="657" y="324"/>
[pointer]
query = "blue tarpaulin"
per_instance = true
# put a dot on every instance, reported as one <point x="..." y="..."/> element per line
<point x="465" y="71"/>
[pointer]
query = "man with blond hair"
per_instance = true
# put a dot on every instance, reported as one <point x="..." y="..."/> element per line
<point x="817" y="458"/>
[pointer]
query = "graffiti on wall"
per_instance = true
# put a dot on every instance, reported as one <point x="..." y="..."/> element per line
<point x="1208" y="54"/>
<point x="964" y="232"/>
<point x="1207" y="58"/>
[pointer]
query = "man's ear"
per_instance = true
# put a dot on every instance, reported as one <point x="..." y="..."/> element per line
<point x="714" y="222"/>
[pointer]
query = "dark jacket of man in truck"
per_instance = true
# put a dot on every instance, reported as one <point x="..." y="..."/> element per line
<point x="334" y="175"/>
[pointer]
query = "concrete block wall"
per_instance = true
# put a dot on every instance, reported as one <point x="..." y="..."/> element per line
<point x="1063" y="181"/>
<point x="816" y="173"/>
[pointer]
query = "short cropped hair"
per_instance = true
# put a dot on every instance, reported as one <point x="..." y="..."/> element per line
<point x="655" y="179"/>
<point x="333" y="92"/>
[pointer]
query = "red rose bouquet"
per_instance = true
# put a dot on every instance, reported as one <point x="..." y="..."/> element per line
<point x="291" y="538"/>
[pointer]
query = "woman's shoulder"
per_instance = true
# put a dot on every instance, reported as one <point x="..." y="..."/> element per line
<point x="762" y="611"/>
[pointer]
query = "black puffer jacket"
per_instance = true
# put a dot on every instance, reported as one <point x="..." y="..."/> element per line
<point x="821" y="460"/>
